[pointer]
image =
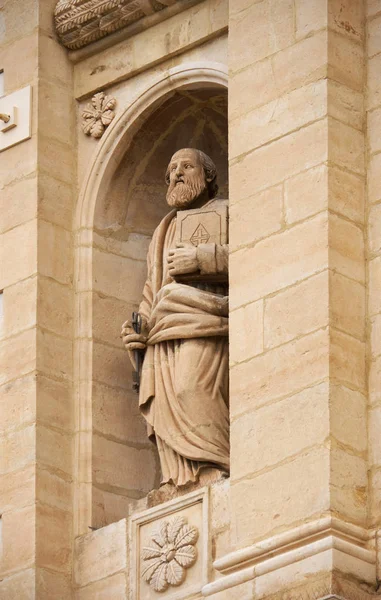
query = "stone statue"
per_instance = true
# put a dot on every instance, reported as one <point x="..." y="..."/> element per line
<point x="184" y="378"/>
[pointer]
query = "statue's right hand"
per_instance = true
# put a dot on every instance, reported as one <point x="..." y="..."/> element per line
<point x="131" y="340"/>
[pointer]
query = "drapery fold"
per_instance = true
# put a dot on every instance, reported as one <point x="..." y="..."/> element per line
<point x="184" y="380"/>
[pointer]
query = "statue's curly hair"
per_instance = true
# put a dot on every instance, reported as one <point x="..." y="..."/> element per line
<point x="209" y="167"/>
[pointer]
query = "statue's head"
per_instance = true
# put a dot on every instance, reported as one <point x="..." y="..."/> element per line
<point x="191" y="175"/>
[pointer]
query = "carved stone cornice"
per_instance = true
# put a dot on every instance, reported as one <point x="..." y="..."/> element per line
<point x="327" y="536"/>
<point x="81" y="22"/>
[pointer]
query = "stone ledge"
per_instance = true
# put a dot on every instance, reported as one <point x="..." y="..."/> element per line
<point x="332" y="544"/>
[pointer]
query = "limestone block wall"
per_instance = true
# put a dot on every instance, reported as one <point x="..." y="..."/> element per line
<point x="76" y="215"/>
<point x="37" y="180"/>
<point x="374" y="248"/>
<point x="298" y="300"/>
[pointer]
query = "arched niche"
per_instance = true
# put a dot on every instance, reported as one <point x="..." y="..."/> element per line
<point x="116" y="464"/>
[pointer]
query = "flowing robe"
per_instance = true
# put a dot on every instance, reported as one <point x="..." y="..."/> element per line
<point x="184" y="380"/>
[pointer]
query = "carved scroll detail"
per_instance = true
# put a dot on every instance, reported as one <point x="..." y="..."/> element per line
<point x="80" y="22"/>
<point x="172" y="552"/>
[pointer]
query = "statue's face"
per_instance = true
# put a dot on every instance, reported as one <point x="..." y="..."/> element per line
<point x="186" y="179"/>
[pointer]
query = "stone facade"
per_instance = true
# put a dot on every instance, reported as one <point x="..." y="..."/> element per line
<point x="295" y="129"/>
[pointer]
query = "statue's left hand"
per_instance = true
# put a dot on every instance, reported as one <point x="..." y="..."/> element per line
<point x="182" y="260"/>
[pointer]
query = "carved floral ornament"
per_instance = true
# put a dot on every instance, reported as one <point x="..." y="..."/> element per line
<point x="80" y="22"/>
<point x="172" y="552"/>
<point x="98" y="115"/>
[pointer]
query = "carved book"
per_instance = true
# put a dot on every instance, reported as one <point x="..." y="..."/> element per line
<point x="206" y="225"/>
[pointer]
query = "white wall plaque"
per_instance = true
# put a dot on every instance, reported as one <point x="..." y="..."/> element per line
<point x="18" y="106"/>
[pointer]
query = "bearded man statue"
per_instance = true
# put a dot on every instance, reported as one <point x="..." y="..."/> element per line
<point x="184" y="378"/>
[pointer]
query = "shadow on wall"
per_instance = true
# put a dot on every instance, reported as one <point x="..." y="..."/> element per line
<point x="125" y="464"/>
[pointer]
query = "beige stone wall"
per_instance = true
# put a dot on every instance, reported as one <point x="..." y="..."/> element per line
<point x="373" y="106"/>
<point x="76" y="217"/>
<point x="36" y="200"/>
<point x="297" y="167"/>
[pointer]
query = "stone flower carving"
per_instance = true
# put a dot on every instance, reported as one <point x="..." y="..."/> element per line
<point x="171" y="553"/>
<point x="98" y="115"/>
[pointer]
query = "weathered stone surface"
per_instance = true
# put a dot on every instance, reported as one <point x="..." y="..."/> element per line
<point x="18" y="403"/>
<point x="54" y="538"/>
<point x="109" y="507"/>
<point x="310" y="17"/>
<point x="279" y="117"/>
<point x="375" y="228"/>
<point x="288" y="494"/>
<point x="283" y="158"/>
<point x="18" y="449"/>
<point x="22" y="256"/>
<point x="101" y="553"/>
<point x="121" y="466"/>
<point x="373" y="82"/>
<point x="17" y="489"/>
<point x="52" y="585"/>
<point x="279" y="261"/>
<point x="55" y="257"/>
<point x="347" y="194"/>
<point x="347" y="316"/>
<point x="53" y="488"/>
<point x="22" y="294"/>
<point x="375" y="381"/>
<point x="18" y="543"/>
<point x="374" y="285"/>
<point x="116" y="414"/>
<point x="253" y="449"/>
<point x="346" y="252"/>
<point x="54" y="358"/>
<point x="374" y="170"/>
<point x="347" y="359"/>
<point x="349" y="486"/>
<point x="15" y="205"/>
<point x="55" y="409"/>
<point x="345" y="61"/>
<point x="246" y="327"/>
<point x="297" y="311"/>
<point x="111" y="587"/>
<point x="54" y="450"/>
<point x="268" y="39"/>
<point x="375" y="346"/>
<point x="279" y="372"/>
<point x="256" y="217"/>
<point x="20" y="585"/>
<point x="306" y="194"/>
<point x="346" y="105"/>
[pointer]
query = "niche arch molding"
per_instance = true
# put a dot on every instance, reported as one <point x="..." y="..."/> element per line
<point x="110" y="150"/>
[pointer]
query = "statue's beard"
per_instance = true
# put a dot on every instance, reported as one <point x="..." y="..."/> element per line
<point x="181" y="195"/>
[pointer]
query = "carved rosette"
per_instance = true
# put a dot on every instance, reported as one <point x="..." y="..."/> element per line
<point x="80" y="22"/>
<point x="98" y="115"/>
<point x="172" y="552"/>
